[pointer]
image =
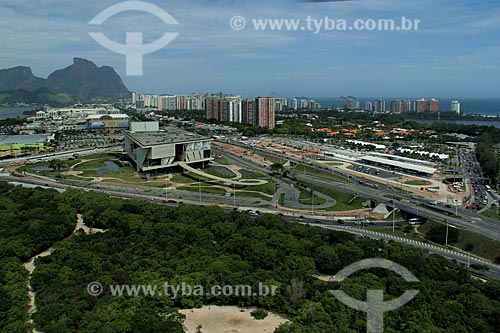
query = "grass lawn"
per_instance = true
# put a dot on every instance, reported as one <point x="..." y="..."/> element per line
<point x="481" y="246"/>
<point x="398" y="231"/>
<point x="491" y="213"/>
<point x="217" y="174"/>
<point x="272" y="159"/>
<point x="281" y="199"/>
<point x="305" y="198"/>
<point x="342" y="198"/>
<point x="266" y="188"/>
<point x="212" y="190"/>
<point x="248" y="174"/>
<point x="98" y="163"/>
<point x="222" y="160"/>
<point x="305" y="169"/>
<point x="187" y="178"/>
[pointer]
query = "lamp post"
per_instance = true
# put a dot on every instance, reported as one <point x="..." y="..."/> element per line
<point x="312" y="202"/>
<point x="446" y="232"/>
<point x="199" y="187"/>
<point x="393" y="216"/>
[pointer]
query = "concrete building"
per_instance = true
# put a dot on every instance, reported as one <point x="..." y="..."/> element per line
<point x="182" y="102"/>
<point x="380" y="105"/>
<point x="233" y="107"/>
<point x="352" y="104"/>
<point x="280" y="104"/>
<point x="212" y="108"/>
<point x="455" y="107"/>
<point x="368" y="106"/>
<point x="196" y="102"/>
<point x="153" y="150"/>
<point x="303" y="104"/>
<point x="400" y="106"/>
<point x="423" y="105"/>
<point x="434" y="105"/>
<point x="265" y="112"/>
<point x="248" y="112"/>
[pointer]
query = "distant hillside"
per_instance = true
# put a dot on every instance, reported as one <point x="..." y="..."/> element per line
<point x="40" y="96"/>
<point x="83" y="80"/>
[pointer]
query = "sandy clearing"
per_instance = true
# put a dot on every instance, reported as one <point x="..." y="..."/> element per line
<point x="229" y="319"/>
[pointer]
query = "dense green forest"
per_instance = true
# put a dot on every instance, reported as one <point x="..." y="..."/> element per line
<point x="152" y="244"/>
<point x="30" y="222"/>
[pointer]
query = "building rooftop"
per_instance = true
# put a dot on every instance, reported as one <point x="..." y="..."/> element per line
<point x="165" y="136"/>
<point x="407" y="166"/>
<point x="7" y="140"/>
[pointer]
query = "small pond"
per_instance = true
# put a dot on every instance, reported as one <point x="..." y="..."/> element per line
<point x="109" y="166"/>
<point x="222" y="170"/>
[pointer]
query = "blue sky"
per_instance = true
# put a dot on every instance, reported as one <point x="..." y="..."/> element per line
<point x="456" y="52"/>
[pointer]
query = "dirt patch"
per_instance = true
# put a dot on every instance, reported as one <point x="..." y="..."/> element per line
<point x="229" y="319"/>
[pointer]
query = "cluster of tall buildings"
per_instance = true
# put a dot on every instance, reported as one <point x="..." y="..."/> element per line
<point x="300" y="104"/>
<point x="399" y="106"/>
<point x="424" y="105"/>
<point x="259" y="112"/>
<point x="169" y="102"/>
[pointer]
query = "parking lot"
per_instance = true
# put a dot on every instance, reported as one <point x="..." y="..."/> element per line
<point x="370" y="170"/>
<point x="82" y="140"/>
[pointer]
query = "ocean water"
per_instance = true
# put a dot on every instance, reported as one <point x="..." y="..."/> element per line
<point x="487" y="107"/>
<point x="14" y="112"/>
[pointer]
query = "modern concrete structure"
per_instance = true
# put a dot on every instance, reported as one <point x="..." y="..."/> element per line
<point x="154" y="150"/>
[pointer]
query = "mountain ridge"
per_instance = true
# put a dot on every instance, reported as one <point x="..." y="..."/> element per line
<point x="83" y="80"/>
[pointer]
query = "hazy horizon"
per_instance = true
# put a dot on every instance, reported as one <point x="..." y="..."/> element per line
<point x="454" y="53"/>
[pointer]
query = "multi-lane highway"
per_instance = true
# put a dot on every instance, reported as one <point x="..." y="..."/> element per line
<point x="465" y="219"/>
<point x="345" y="226"/>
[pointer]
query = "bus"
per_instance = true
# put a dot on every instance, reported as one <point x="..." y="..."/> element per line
<point x="415" y="221"/>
